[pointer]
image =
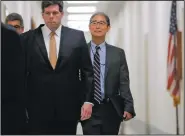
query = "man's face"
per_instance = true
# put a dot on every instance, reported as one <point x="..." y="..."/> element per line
<point x="17" y="25"/>
<point x="52" y="17"/>
<point x="98" y="26"/>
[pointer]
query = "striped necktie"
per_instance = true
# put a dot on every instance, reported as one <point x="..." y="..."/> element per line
<point x="97" y="85"/>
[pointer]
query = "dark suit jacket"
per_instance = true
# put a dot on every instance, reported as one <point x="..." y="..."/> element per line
<point x="13" y="117"/>
<point x="57" y="93"/>
<point x="117" y="77"/>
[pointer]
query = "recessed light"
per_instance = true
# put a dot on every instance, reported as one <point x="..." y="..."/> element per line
<point x="81" y="9"/>
<point x="79" y="17"/>
<point x="81" y="2"/>
<point x="80" y="25"/>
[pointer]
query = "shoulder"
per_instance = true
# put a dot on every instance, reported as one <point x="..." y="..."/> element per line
<point x="77" y="36"/>
<point x="28" y="36"/>
<point x="9" y="35"/>
<point x="28" y="33"/>
<point x="74" y="31"/>
<point x="11" y="41"/>
<point x="32" y="32"/>
<point x="116" y="49"/>
<point x="8" y="31"/>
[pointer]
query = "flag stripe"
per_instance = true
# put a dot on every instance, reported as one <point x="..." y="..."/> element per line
<point x="173" y="83"/>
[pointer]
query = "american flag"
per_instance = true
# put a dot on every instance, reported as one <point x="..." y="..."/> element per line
<point x="173" y="82"/>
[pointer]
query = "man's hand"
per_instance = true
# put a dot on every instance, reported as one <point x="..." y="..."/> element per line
<point x="86" y="111"/>
<point x="127" y="116"/>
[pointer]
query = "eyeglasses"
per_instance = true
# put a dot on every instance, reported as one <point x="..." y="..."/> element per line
<point x="16" y="26"/>
<point x="55" y="13"/>
<point x="100" y="23"/>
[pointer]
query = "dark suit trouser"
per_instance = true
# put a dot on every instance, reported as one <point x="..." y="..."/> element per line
<point x="104" y="121"/>
<point x="53" y="127"/>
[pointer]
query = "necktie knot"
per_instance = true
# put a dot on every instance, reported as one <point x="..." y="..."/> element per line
<point x="52" y="34"/>
<point x="97" y="48"/>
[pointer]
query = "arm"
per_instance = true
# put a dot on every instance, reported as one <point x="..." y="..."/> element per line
<point x="13" y="67"/>
<point x="87" y="80"/>
<point x="25" y="40"/>
<point x="86" y="72"/>
<point x="125" y="85"/>
<point x="13" y="64"/>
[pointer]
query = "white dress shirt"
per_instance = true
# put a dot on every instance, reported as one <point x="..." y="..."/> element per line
<point x="46" y="34"/>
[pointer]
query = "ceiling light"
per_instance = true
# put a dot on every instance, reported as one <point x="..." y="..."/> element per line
<point x="81" y="9"/>
<point x="80" y="25"/>
<point x="79" y="17"/>
<point x="82" y="28"/>
<point x="81" y="2"/>
<point x="85" y="23"/>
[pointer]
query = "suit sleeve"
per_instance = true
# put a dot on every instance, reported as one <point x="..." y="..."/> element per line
<point x="125" y="85"/>
<point x="13" y="63"/>
<point x="26" y="40"/>
<point x="12" y="89"/>
<point x="86" y="72"/>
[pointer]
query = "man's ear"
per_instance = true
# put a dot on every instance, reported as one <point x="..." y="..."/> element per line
<point x="108" y="28"/>
<point x="42" y="15"/>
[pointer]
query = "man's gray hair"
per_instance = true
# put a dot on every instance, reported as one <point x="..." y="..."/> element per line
<point x="14" y="16"/>
<point x="102" y="14"/>
<point x="46" y="4"/>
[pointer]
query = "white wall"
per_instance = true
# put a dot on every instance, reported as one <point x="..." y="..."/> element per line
<point x="3" y="12"/>
<point x="147" y="64"/>
<point x="26" y="9"/>
<point x="36" y="12"/>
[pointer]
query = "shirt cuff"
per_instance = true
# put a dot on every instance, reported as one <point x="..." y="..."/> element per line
<point x="89" y="103"/>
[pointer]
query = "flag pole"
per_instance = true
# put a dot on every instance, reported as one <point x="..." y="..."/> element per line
<point x="177" y="120"/>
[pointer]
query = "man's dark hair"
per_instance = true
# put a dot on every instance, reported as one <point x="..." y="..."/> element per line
<point x="46" y="4"/>
<point x="102" y="14"/>
<point x="13" y="17"/>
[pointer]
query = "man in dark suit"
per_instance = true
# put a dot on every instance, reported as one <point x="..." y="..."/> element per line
<point x="54" y="55"/>
<point x="113" y="99"/>
<point x="13" y="115"/>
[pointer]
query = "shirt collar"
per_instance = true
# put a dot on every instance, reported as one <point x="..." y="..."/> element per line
<point x="47" y="31"/>
<point x="93" y="45"/>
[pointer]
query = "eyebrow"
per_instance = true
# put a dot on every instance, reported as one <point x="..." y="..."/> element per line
<point x="98" y="21"/>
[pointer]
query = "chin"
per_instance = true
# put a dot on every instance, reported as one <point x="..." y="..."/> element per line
<point x="97" y="35"/>
<point x="53" y="27"/>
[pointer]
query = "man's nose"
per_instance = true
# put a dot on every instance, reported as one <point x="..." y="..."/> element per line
<point x="51" y="15"/>
<point x="98" y="26"/>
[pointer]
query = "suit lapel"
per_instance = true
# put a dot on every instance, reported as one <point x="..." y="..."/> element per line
<point x="108" y="58"/>
<point x="40" y="41"/>
<point x="61" y="61"/>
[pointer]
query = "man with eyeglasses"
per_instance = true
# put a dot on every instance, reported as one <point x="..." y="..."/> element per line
<point x="113" y="99"/>
<point x="15" y="20"/>
<point x="55" y="54"/>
